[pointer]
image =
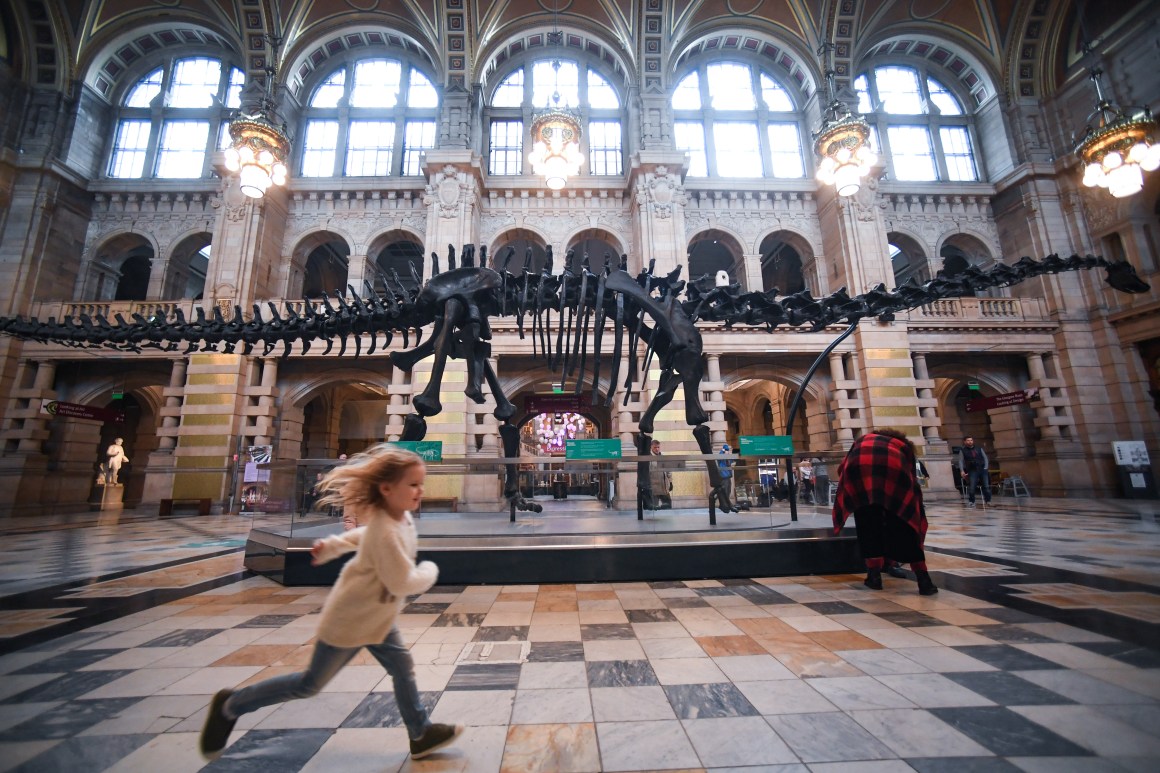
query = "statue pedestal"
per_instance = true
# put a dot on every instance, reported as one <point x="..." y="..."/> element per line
<point x="108" y="497"/>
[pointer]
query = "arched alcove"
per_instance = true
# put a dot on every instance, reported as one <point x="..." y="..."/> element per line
<point x="520" y="240"/>
<point x="399" y="257"/>
<point x="782" y="257"/>
<point x="187" y="269"/>
<point x="712" y="251"/>
<point x="907" y="258"/>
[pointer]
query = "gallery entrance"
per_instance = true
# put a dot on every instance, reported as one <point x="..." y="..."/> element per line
<point x="549" y="423"/>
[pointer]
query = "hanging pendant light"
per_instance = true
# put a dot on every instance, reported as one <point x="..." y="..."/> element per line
<point x="259" y="148"/>
<point x="842" y="144"/>
<point x="1118" y="148"/>
<point x="556" y="132"/>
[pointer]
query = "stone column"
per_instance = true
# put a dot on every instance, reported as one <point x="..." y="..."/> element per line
<point x="716" y="399"/>
<point x="159" y="468"/>
<point x="841" y="401"/>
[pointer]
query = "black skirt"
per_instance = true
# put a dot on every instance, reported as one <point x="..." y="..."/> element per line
<point x="881" y="534"/>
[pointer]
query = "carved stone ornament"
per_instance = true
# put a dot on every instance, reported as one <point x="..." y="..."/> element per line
<point x="662" y="191"/>
<point x="447" y="191"/>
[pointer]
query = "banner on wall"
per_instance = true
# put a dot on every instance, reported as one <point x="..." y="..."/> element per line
<point x="77" y="411"/>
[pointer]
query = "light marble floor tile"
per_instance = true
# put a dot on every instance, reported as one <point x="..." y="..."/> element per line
<point x="945" y="659"/>
<point x="859" y="692"/>
<point x="735" y="741"/>
<point x="1088" y="727"/>
<point x="752" y="668"/>
<point x="952" y="636"/>
<point x="551" y="748"/>
<point x="790" y="696"/>
<point x="932" y="690"/>
<point x="1143" y="681"/>
<point x="613" y="649"/>
<point x="649" y="745"/>
<point x="864" y="766"/>
<point x="138" y="657"/>
<point x="669" y="630"/>
<point x="321" y="711"/>
<point x="14" y="713"/>
<point x="628" y="704"/>
<point x="533" y="707"/>
<point x="169" y="752"/>
<point x="829" y="737"/>
<point x="896" y="638"/>
<point x="917" y="733"/>
<point x="688" y="671"/>
<point x="882" y="661"/>
<point x="151" y="715"/>
<point x="610" y="616"/>
<point x="475" y="707"/>
<point x="1065" y="633"/>
<point x="553" y="675"/>
<point x="1071" y="656"/>
<point x="144" y="681"/>
<point x="814" y="623"/>
<point x="1082" y="688"/>
<point x="554" y="632"/>
<point x="684" y="647"/>
<point x="1070" y="765"/>
<point x="207" y="681"/>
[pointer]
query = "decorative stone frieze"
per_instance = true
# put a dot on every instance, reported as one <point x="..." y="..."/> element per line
<point x="753" y="215"/>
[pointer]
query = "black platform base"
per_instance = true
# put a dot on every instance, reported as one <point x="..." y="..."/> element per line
<point x="610" y="558"/>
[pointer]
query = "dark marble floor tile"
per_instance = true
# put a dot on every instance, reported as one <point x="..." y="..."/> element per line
<point x="1008" y="734"/>
<point x="740" y="582"/>
<point x="72" y="660"/>
<point x="555" y="651"/>
<point x="379" y="709"/>
<point x="261" y="751"/>
<point x="962" y="765"/>
<point x="88" y="753"/>
<point x="448" y="589"/>
<point x="67" y="687"/>
<point x="910" y="619"/>
<point x="702" y="701"/>
<point x="666" y="584"/>
<point x="1008" y="615"/>
<point x="425" y="609"/>
<point x="67" y="719"/>
<point x="834" y="608"/>
<point x="1140" y="657"/>
<point x="501" y="633"/>
<point x="187" y="637"/>
<point x="714" y="591"/>
<point x="1009" y="633"/>
<point x="686" y="603"/>
<point x="621" y="673"/>
<point x="606" y="631"/>
<point x="70" y="641"/>
<point x="1007" y="658"/>
<point x="266" y="621"/>
<point x="1007" y="689"/>
<point x="459" y="620"/>
<point x="650" y="616"/>
<point x="760" y="594"/>
<point x="498" y="676"/>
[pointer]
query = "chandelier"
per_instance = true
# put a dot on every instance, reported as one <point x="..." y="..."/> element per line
<point x="1119" y="148"/>
<point x="556" y="152"/>
<point x="259" y="148"/>
<point x="843" y="143"/>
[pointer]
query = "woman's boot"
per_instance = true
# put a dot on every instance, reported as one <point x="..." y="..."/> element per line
<point x="926" y="586"/>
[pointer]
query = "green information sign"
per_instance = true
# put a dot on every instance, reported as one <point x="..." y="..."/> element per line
<point x="592" y="449"/>
<point x="766" y="445"/>
<point x="430" y="450"/>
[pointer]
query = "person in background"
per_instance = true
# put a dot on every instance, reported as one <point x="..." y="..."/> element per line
<point x="659" y="482"/>
<point x="384" y="484"/>
<point x="821" y="481"/>
<point x="877" y="485"/>
<point x="726" y="466"/>
<point x="806" y="470"/>
<point x="974" y="467"/>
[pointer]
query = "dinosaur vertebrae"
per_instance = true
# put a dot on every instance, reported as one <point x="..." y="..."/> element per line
<point x="583" y="300"/>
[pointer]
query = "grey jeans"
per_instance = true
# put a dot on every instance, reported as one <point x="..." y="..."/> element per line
<point x="324" y="664"/>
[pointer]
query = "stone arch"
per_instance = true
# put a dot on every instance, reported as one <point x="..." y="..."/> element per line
<point x="319" y="263"/>
<point x="786" y="58"/>
<point x="313" y="57"/>
<point x="520" y="239"/>
<point x="713" y="250"/>
<point x="959" y="63"/>
<point x="597" y="241"/>
<point x="392" y="252"/>
<point x="187" y="267"/>
<point x="784" y="255"/>
<point x="959" y="251"/>
<point x="119" y="267"/>
<point x="300" y="391"/>
<point x="908" y="257"/>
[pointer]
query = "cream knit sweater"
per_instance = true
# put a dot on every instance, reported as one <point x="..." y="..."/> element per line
<point x="373" y="586"/>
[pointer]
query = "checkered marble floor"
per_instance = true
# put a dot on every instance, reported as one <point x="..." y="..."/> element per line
<point x="786" y="674"/>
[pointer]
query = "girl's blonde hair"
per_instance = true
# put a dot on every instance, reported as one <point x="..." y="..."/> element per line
<point x="356" y="482"/>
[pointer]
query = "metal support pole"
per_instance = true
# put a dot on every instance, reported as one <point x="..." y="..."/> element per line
<point x="796" y="404"/>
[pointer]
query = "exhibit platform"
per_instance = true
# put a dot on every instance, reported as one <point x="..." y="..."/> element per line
<point x="578" y="541"/>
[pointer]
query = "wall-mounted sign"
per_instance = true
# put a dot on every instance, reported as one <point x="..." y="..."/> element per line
<point x="537" y="404"/>
<point x="1003" y="400"/>
<point x="592" y="449"/>
<point x="430" y="450"/>
<point x="766" y="445"/>
<point x="77" y="411"/>
<point x="1130" y="452"/>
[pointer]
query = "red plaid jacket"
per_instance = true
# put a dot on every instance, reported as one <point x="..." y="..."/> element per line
<point x="879" y="470"/>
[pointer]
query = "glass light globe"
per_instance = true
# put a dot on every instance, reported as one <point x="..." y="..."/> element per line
<point x="1151" y="160"/>
<point x="1113" y="160"/>
<point x="846" y="180"/>
<point x="1125" y="180"/>
<point x="233" y="160"/>
<point x="254" y="181"/>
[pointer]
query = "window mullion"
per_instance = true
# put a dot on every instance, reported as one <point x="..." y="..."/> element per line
<point x="341" y="142"/>
<point x="884" y="149"/>
<point x="936" y="147"/>
<point x="708" y="121"/>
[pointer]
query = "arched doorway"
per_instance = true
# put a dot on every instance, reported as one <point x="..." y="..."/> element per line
<point x="961" y="251"/>
<point x="712" y="251"/>
<point x="599" y="246"/>
<point x="781" y="263"/>
<point x="520" y="240"/>
<point x="188" y="267"/>
<point x="402" y="258"/>
<point x="119" y="270"/>
<point x="907" y="259"/>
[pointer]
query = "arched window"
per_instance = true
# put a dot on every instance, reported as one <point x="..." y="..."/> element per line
<point x="919" y="124"/>
<point x="532" y="87"/>
<point x="736" y="121"/>
<point x="172" y="119"/>
<point x="371" y="118"/>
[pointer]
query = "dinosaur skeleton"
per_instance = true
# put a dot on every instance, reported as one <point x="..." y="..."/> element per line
<point x="458" y="302"/>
